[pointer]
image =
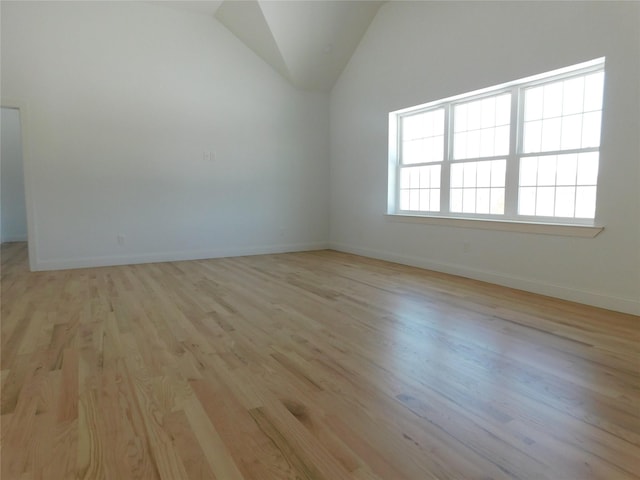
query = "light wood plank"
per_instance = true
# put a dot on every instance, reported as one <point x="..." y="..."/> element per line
<point x="315" y="365"/>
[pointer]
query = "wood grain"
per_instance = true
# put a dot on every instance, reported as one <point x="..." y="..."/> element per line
<point x="316" y="365"/>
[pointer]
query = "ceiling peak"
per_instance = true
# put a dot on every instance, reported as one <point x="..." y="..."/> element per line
<point x="309" y="42"/>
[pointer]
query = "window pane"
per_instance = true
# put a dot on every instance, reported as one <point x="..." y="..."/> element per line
<point x="413" y="152"/>
<point x="473" y="144"/>
<point x="588" y="168"/>
<point x="422" y="137"/>
<point x="591" y="129"/>
<point x="435" y="200"/>
<point x="469" y="200"/>
<point x="503" y="109"/>
<point x="415" y="178"/>
<point x="427" y="147"/>
<point x="482" y="127"/>
<point x="483" y="200"/>
<point x="497" y="201"/>
<point x="435" y="176"/>
<point x="414" y="199"/>
<point x="498" y="173"/>
<point x="529" y="171"/>
<point x="565" y="201"/>
<point x="455" y="200"/>
<point x="437" y="152"/>
<point x="532" y="136"/>
<point x="571" y="114"/>
<point x="502" y="141"/>
<point x="416" y="186"/>
<point x="566" y="169"/>
<point x="404" y="199"/>
<point x="550" y="185"/>
<point x="423" y="125"/>
<point x="483" y="187"/>
<point x="573" y="98"/>
<point x="457" y="170"/>
<point x="438" y="122"/>
<point x="488" y="112"/>
<point x="469" y="174"/>
<point x="551" y="134"/>
<point x="571" y="132"/>
<point x="460" y="145"/>
<point x="405" y="177"/>
<point x="474" y="115"/>
<point x="544" y="201"/>
<point x="460" y="117"/>
<point x="424" y="200"/>
<point x="560" y="114"/>
<point x="547" y="170"/>
<point x="424" y="150"/>
<point x="414" y="127"/>
<point x="527" y="201"/>
<point x="533" y="104"/>
<point x="484" y="174"/>
<point x="594" y="85"/>
<point x="424" y="178"/>
<point x="552" y="102"/>
<point x="487" y="138"/>
<point x="585" y="202"/>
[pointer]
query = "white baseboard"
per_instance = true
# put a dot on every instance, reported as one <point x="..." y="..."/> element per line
<point x="624" y="305"/>
<point x="113" y="260"/>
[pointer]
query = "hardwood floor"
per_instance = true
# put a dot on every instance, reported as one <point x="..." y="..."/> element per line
<point x="316" y="365"/>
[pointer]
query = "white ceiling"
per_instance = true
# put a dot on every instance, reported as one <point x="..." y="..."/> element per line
<point x="308" y="42"/>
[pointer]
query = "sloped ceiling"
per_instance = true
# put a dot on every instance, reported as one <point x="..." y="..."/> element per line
<point x="308" y="42"/>
<point x="208" y="7"/>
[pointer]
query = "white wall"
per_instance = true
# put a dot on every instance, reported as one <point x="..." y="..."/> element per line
<point x="13" y="213"/>
<point x="124" y="98"/>
<point x="416" y="52"/>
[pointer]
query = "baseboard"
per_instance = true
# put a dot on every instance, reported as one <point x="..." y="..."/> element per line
<point x="14" y="238"/>
<point x="624" y="305"/>
<point x="114" y="260"/>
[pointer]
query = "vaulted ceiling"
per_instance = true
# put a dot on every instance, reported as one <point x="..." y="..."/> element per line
<point x="308" y="42"/>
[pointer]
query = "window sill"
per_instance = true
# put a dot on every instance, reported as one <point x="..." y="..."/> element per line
<point x="583" y="231"/>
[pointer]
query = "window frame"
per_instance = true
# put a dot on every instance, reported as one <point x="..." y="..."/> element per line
<point x="515" y="152"/>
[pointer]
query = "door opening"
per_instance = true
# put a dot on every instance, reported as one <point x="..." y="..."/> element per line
<point x="13" y="211"/>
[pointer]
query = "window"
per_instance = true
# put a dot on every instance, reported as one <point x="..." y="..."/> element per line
<point x="525" y="151"/>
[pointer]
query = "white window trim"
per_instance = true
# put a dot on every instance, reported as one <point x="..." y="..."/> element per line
<point x="509" y="221"/>
<point x="560" y="229"/>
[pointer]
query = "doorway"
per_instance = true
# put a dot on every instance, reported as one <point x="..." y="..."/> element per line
<point x="13" y="210"/>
